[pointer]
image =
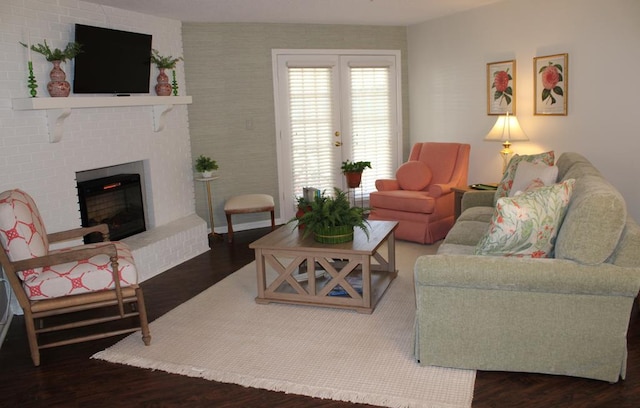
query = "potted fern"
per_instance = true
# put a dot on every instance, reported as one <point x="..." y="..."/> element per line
<point x="163" y="88"/>
<point x="353" y="171"/>
<point x="206" y="165"/>
<point x="332" y="219"/>
<point x="58" y="86"/>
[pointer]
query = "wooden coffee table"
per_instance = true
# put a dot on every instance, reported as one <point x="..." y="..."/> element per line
<point x="312" y="273"/>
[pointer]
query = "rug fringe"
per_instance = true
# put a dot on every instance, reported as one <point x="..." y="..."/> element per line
<point x="267" y="384"/>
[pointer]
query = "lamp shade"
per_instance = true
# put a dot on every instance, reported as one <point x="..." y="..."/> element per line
<point x="506" y="129"/>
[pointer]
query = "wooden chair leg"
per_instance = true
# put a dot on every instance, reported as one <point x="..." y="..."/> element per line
<point x="142" y="314"/>
<point x="273" y="220"/>
<point x="229" y="228"/>
<point x="32" y="337"/>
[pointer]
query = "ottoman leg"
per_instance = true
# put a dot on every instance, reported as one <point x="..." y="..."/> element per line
<point x="229" y="228"/>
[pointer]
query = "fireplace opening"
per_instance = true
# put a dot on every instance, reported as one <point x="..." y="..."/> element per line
<point x="115" y="201"/>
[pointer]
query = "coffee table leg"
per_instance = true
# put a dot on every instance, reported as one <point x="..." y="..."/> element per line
<point x="260" y="269"/>
<point x="391" y="246"/>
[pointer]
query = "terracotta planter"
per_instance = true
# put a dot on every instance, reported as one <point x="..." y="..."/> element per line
<point x="353" y="179"/>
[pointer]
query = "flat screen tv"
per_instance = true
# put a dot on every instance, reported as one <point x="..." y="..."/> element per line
<point x="111" y="61"/>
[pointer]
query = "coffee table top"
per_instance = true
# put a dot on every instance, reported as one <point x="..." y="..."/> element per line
<point x="289" y="236"/>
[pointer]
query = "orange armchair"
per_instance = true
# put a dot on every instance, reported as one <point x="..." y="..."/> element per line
<point x="420" y="197"/>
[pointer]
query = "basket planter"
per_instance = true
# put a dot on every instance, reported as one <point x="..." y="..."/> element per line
<point x="334" y="235"/>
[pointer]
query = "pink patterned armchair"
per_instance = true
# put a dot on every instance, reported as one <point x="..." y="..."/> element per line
<point x="420" y="197"/>
<point x="63" y="281"/>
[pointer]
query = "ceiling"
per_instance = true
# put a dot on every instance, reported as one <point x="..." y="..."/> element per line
<point x="367" y="12"/>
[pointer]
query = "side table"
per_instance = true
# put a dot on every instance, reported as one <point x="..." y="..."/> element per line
<point x="458" y="192"/>
<point x="207" y="182"/>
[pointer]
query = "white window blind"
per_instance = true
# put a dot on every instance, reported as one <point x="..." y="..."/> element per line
<point x="371" y="126"/>
<point x="311" y="121"/>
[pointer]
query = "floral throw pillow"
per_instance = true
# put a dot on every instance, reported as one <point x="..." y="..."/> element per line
<point x="526" y="225"/>
<point x="504" y="187"/>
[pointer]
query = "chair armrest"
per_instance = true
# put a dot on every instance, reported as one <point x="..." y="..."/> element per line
<point x="79" y="233"/>
<point x="477" y="198"/>
<point x="71" y="255"/>
<point x="438" y="190"/>
<point x="525" y="275"/>
<point x="387" y="185"/>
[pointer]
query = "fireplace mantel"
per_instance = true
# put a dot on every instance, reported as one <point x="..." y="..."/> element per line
<point x="58" y="109"/>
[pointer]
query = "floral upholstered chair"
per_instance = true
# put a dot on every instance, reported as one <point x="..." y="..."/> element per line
<point x="63" y="281"/>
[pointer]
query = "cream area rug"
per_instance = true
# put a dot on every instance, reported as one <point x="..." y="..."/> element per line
<point x="223" y="335"/>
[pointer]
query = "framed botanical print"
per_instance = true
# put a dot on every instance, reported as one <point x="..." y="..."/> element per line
<point x="551" y="84"/>
<point x="501" y="87"/>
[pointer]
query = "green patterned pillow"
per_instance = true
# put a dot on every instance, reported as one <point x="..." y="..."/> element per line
<point x="527" y="225"/>
<point x="509" y="174"/>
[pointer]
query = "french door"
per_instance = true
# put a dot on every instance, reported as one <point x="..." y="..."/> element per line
<point x="333" y="106"/>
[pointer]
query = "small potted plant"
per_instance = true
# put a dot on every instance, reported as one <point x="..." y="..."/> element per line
<point x="163" y="88"/>
<point x="331" y="220"/>
<point x="58" y="86"/>
<point x="353" y="171"/>
<point x="206" y="165"/>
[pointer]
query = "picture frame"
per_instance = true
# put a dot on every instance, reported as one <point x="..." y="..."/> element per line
<point x="501" y="87"/>
<point x="551" y="83"/>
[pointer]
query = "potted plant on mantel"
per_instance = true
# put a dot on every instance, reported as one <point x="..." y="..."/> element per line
<point x="331" y="220"/>
<point x="58" y="86"/>
<point x="353" y="172"/>
<point x="206" y="166"/>
<point x="163" y="88"/>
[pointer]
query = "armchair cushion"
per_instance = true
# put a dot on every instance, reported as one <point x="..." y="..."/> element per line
<point x="22" y="232"/>
<point x="414" y="175"/>
<point x="404" y="200"/>
<point x="527" y="225"/>
<point x="88" y="275"/>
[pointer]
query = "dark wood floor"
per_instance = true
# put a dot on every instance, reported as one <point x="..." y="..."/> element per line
<point x="67" y="376"/>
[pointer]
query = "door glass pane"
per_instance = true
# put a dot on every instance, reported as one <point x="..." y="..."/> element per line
<point x="371" y="129"/>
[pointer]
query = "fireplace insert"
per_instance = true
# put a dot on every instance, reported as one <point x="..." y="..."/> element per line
<point x="115" y="201"/>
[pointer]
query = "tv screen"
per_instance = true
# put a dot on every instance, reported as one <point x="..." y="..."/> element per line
<point x="111" y="61"/>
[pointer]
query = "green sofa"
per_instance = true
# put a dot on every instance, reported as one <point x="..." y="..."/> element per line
<point x="566" y="315"/>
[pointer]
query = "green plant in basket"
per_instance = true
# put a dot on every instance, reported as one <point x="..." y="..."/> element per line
<point x="327" y="212"/>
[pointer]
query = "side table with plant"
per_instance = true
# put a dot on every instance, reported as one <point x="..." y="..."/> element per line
<point x="206" y="165"/>
<point x="331" y="220"/>
<point x="353" y="171"/>
<point x="58" y="86"/>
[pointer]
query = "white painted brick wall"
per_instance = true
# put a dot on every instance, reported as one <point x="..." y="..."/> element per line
<point x="96" y="137"/>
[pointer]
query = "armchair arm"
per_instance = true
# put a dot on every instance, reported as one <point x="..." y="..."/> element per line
<point x="525" y="275"/>
<point x="79" y="233"/>
<point x="438" y="190"/>
<point x="387" y="184"/>
<point x="477" y="198"/>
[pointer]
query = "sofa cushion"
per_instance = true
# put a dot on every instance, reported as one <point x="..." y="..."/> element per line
<point x="413" y="175"/>
<point x="594" y="222"/>
<point x="507" y="179"/>
<point x="403" y="200"/>
<point x="532" y="174"/>
<point x="527" y="225"/>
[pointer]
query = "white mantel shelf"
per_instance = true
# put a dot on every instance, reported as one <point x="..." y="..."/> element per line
<point x="58" y="109"/>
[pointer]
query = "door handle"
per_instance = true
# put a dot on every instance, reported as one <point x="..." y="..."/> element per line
<point x="337" y="133"/>
<point x="337" y="144"/>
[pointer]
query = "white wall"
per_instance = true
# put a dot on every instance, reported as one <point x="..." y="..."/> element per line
<point x="447" y="75"/>
<point x="95" y="137"/>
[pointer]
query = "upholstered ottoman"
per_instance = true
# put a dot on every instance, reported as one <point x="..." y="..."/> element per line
<point x="246" y="204"/>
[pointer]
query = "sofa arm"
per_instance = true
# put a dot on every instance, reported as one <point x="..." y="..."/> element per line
<point x="525" y="275"/>
<point x="477" y="198"/>
<point x="387" y="184"/>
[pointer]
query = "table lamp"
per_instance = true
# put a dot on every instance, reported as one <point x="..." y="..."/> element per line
<point x="506" y="130"/>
